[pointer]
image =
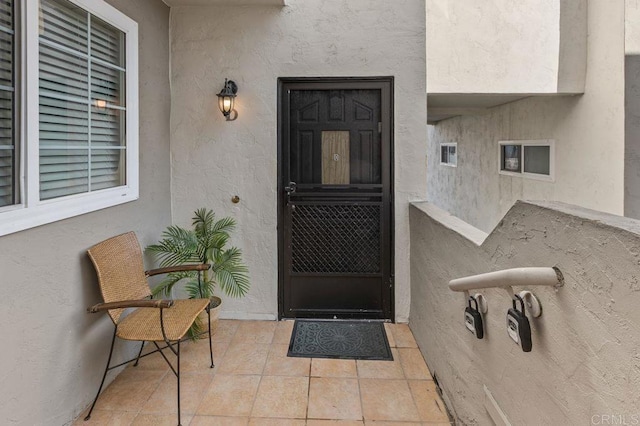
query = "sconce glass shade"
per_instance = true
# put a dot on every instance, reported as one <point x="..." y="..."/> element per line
<point x="226" y="97"/>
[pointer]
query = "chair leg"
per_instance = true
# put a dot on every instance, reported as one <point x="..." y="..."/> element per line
<point x="210" y="342"/>
<point x="139" y="353"/>
<point x="178" y="376"/>
<point x="104" y="376"/>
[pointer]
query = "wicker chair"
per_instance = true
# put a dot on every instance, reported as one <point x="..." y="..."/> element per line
<point x="123" y="284"/>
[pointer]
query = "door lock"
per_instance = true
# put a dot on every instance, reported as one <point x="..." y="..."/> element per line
<point x="473" y="319"/>
<point x="518" y="327"/>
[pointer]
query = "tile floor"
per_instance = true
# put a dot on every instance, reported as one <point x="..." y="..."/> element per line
<point x="254" y="384"/>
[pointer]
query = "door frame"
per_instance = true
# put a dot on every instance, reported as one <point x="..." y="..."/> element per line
<point x="386" y="86"/>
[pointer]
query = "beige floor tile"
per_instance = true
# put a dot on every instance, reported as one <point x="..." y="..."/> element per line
<point x="229" y="396"/>
<point x="195" y="357"/>
<point x="381" y="369"/>
<point x="334" y="398"/>
<point x="387" y="328"/>
<point x="387" y="400"/>
<point x="283" y="397"/>
<point x="256" y="421"/>
<point x="283" y="332"/>
<point x="164" y="399"/>
<point x="244" y="358"/>
<point x="413" y="364"/>
<point x="219" y="421"/>
<point x="324" y="367"/>
<point x="107" y="418"/>
<point x="402" y="336"/>
<point x="153" y="361"/>
<point x="130" y="390"/>
<point x="339" y="392"/>
<point x="279" y="364"/>
<point x="225" y="330"/>
<point x="430" y="406"/>
<point x="255" y="332"/>
<point x="159" y="420"/>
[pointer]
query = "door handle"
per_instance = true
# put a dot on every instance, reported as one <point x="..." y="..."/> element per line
<point x="291" y="188"/>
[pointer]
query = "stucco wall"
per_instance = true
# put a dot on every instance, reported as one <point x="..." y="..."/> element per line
<point x="632" y="109"/>
<point x="585" y="360"/>
<point x="632" y="27"/>
<point x="588" y="131"/>
<point x="53" y="352"/>
<point x="632" y="137"/>
<point x="488" y="46"/>
<point x="213" y="159"/>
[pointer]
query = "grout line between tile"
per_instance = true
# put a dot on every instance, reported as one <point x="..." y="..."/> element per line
<point x="360" y="395"/>
<point x="306" y="413"/>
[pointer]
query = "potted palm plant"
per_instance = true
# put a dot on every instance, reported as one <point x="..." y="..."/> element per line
<point x="205" y="243"/>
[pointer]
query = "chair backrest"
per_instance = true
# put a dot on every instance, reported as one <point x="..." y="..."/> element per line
<point x="118" y="263"/>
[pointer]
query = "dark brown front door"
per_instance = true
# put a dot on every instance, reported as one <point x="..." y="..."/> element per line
<point x="335" y="204"/>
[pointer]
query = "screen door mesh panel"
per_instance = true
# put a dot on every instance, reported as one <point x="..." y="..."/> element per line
<point x="335" y="238"/>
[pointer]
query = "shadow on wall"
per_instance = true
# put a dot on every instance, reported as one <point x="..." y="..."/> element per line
<point x="585" y="360"/>
<point x="632" y="136"/>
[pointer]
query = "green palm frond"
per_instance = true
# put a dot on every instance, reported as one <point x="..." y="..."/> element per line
<point x="193" y="288"/>
<point x="226" y="225"/>
<point x="167" y="284"/>
<point x="205" y="243"/>
<point x="178" y="246"/>
<point x="231" y="274"/>
<point x="203" y="221"/>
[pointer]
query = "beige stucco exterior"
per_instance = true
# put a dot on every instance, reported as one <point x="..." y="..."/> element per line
<point x="502" y="47"/>
<point x="53" y="351"/>
<point x="583" y="368"/>
<point x="212" y="159"/>
<point x="588" y="131"/>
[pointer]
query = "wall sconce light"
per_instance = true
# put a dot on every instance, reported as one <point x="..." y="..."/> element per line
<point x="226" y="99"/>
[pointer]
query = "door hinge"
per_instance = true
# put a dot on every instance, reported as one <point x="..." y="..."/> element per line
<point x="379" y="126"/>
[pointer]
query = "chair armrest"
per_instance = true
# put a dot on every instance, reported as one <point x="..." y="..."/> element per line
<point x="178" y="268"/>
<point x="144" y="303"/>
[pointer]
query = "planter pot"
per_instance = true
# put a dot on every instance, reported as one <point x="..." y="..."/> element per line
<point x="216" y="305"/>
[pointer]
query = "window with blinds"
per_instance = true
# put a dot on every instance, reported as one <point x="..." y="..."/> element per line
<point x="8" y="144"/>
<point x="82" y="101"/>
<point x="68" y="113"/>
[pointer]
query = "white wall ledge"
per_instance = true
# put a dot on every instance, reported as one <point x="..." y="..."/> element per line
<point x="478" y="237"/>
<point x="452" y="222"/>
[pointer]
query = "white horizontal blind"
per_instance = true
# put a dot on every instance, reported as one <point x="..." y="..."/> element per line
<point x="82" y="101"/>
<point x="8" y="151"/>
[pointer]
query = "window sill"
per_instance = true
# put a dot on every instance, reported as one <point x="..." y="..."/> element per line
<point x="22" y="218"/>
<point x="533" y="176"/>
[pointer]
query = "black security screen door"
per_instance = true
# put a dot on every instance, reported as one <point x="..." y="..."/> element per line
<point x="335" y="205"/>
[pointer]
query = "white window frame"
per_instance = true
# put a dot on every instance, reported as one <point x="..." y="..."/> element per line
<point x="448" y="144"/>
<point x="32" y="212"/>
<point x="551" y="143"/>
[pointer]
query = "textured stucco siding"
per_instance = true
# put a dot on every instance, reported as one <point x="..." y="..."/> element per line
<point x="501" y="46"/>
<point x="212" y="159"/>
<point x="632" y="137"/>
<point x="632" y="27"/>
<point x="53" y="352"/>
<point x="588" y="131"/>
<point x="632" y="109"/>
<point x="585" y="361"/>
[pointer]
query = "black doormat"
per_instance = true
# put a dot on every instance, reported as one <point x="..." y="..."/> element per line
<point x="339" y="339"/>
